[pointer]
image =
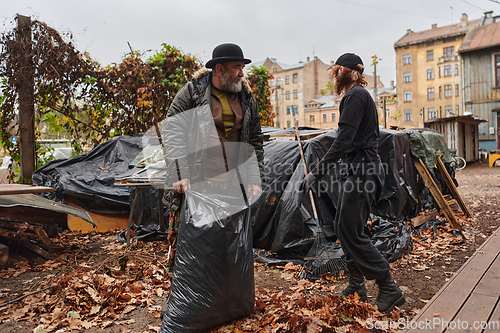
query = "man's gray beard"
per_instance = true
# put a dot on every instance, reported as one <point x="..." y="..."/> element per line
<point x="230" y="86"/>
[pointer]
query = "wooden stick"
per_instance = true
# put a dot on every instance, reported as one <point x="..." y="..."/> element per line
<point x="28" y="294"/>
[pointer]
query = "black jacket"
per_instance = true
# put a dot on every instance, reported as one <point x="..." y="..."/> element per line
<point x="187" y="126"/>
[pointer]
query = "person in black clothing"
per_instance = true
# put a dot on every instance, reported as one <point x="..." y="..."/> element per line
<point x="361" y="176"/>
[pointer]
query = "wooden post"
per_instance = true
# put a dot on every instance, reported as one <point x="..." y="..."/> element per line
<point x="26" y="100"/>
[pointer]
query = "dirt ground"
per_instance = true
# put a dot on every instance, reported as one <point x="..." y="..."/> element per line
<point x="420" y="273"/>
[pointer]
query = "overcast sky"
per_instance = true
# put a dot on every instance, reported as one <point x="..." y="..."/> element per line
<point x="289" y="31"/>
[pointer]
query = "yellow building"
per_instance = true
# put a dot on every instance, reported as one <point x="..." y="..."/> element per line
<point x="428" y="73"/>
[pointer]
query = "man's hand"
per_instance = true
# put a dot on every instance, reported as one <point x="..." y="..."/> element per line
<point x="307" y="183"/>
<point x="253" y="190"/>
<point x="182" y="185"/>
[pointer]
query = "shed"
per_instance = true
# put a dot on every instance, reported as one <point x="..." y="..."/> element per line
<point x="461" y="134"/>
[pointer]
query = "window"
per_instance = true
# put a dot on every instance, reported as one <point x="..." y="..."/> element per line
<point x="456" y="69"/>
<point x="440" y="92"/>
<point x="325" y="120"/>
<point x="287" y="79"/>
<point x="277" y="111"/>
<point x="457" y="90"/>
<point x="407" y="96"/>
<point x="387" y="113"/>
<point x="295" y="77"/>
<point x="408" y="115"/>
<point x="295" y="94"/>
<point x="272" y="98"/>
<point x="430" y="93"/>
<point x="447" y="70"/>
<point x="296" y="109"/>
<point x="407" y="77"/>
<point x="278" y="83"/>
<point x="334" y="117"/>
<point x="288" y="109"/>
<point x="430" y="55"/>
<point x="457" y="109"/>
<point x="271" y="83"/>
<point x="448" y="51"/>
<point x="311" y="119"/>
<point x="277" y="95"/>
<point x="277" y="124"/>
<point x="448" y="110"/>
<point x="406" y="59"/>
<point x="439" y="68"/>
<point x="447" y="90"/>
<point x="430" y="74"/>
<point x="497" y="69"/>
<point x="432" y="113"/>
<point x="287" y="94"/>
<point x="288" y="124"/>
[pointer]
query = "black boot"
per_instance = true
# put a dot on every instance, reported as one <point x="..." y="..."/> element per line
<point x="356" y="283"/>
<point x="389" y="294"/>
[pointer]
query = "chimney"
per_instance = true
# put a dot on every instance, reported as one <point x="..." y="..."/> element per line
<point x="273" y="60"/>
<point x="308" y="59"/>
<point x="489" y="14"/>
<point x="332" y="63"/>
<point x="408" y="31"/>
<point x="465" y="20"/>
<point x="434" y="26"/>
<point x="392" y="84"/>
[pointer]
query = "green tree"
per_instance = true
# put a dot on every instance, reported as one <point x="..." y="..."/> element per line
<point x="259" y="81"/>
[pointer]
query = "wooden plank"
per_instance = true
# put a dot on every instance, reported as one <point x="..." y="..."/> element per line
<point x="452" y="187"/>
<point x="449" y="299"/>
<point x="6" y="189"/>
<point x="493" y="325"/>
<point x="422" y="218"/>
<point x="436" y="193"/>
<point x="477" y="309"/>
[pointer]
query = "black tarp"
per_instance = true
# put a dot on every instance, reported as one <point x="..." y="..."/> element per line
<point x="282" y="218"/>
<point x="89" y="178"/>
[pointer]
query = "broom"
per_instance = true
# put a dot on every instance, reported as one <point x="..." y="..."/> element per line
<point x="324" y="257"/>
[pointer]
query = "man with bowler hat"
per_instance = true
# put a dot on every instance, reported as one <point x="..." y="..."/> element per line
<point x="213" y="128"/>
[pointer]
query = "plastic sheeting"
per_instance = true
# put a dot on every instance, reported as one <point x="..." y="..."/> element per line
<point x="89" y="178"/>
<point x="213" y="279"/>
<point x="282" y="218"/>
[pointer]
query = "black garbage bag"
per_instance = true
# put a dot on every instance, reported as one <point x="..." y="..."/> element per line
<point x="213" y="279"/>
<point x="391" y="238"/>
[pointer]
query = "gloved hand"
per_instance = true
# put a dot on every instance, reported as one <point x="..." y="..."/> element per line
<point x="307" y="183"/>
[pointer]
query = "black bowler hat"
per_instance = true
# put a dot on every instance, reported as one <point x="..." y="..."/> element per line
<point x="226" y="53"/>
<point x="350" y="60"/>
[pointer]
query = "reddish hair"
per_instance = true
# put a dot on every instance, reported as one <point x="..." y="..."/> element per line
<point x="346" y="78"/>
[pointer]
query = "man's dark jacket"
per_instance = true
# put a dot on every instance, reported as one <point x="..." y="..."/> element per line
<point x="185" y="134"/>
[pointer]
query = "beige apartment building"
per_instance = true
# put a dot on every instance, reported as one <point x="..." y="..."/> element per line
<point x="295" y="85"/>
<point x="428" y="70"/>
<point x="324" y="112"/>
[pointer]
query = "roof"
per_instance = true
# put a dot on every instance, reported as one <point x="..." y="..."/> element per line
<point x="481" y="37"/>
<point x="435" y="33"/>
<point x="461" y="119"/>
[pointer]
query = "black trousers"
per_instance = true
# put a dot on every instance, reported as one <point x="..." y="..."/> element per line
<point x="358" y="192"/>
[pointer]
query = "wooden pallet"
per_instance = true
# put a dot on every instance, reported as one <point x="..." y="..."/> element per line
<point x="471" y="296"/>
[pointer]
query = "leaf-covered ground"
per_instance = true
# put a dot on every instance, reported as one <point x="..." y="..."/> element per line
<point x="96" y="285"/>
